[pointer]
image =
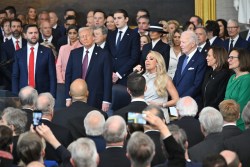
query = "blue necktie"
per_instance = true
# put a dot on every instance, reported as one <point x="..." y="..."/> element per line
<point x="119" y="39"/>
<point x="185" y="62"/>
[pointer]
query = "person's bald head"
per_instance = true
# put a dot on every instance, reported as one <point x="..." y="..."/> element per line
<point x="79" y="90"/>
<point x="231" y="158"/>
<point x="35" y="164"/>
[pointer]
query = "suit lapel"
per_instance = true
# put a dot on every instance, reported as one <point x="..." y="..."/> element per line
<point x="39" y="55"/>
<point x="92" y="60"/>
<point x="125" y="38"/>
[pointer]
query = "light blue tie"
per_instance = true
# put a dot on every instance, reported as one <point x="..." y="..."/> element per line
<point x="184" y="63"/>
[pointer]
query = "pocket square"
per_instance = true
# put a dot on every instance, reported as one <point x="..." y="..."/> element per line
<point x="191" y="68"/>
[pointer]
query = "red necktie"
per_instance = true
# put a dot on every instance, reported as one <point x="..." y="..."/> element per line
<point x="17" y="45"/>
<point x="31" y="68"/>
<point x="85" y="65"/>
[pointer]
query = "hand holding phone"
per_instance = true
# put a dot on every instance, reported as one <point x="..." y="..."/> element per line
<point x="136" y="118"/>
<point x="37" y="117"/>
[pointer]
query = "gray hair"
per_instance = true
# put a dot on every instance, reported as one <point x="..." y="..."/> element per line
<point x="233" y="21"/>
<point x="211" y="120"/>
<point x="94" y="123"/>
<point x="103" y="28"/>
<point x="84" y="153"/>
<point x="114" y="129"/>
<point x="187" y="106"/>
<point x="192" y="36"/>
<point x="17" y="118"/>
<point x="45" y="103"/>
<point x="28" y="96"/>
<point x="179" y="135"/>
<point x="246" y="115"/>
<point x="141" y="149"/>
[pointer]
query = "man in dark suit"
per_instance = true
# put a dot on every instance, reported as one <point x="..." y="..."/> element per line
<point x="124" y="46"/>
<point x="230" y="111"/>
<point x="211" y="125"/>
<point x="190" y="68"/>
<point x="3" y="15"/>
<point x="45" y="103"/>
<point x="245" y="35"/>
<point x="115" y="133"/>
<point x="240" y="143"/>
<point x="187" y="109"/>
<point x="234" y="41"/>
<point x="8" y="49"/>
<point x="136" y="85"/>
<point x="95" y="66"/>
<point x="28" y="97"/>
<point x="40" y="72"/>
<point x="77" y="111"/>
<point x="155" y="33"/>
<point x="53" y="19"/>
<point x="213" y="30"/>
<point x="203" y="43"/>
<point x="100" y="33"/>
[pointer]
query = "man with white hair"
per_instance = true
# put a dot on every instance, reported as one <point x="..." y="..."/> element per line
<point x="114" y="133"/>
<point x="187" y="109"/>
<point x="45" y="103"/>
<point x="211" y="125"/>
<point x="190" y="68"/>
<point x="94" y="124"/>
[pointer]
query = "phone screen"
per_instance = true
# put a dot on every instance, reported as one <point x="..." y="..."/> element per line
<point x="37" y="116"/>
<point x="136" y="118"/>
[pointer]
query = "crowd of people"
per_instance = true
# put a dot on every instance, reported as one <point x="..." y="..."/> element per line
<point x="200" y="69"/>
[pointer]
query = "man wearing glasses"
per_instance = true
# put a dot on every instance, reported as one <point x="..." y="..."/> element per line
<point x="235" y="41"/>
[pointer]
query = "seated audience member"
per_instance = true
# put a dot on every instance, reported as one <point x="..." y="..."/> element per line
<point x="35" y="164"/>
<point x="136" y="86"/>
<point x="28" y="97"/>
<point x="230" y="111"/>
<point x="215" y="160"/>
<point x="211" y="125"/>
<point x="187" y="109"/>
<point x="231" y="158"/>
<point x="16" y="120"/>
<point x="114" y="133"/>
<point x="64" y="52"/>
<point x="30" y="148"/>
<point x="110" y="24"/>
<point x="176" y="153"/>
<point x="160" y="154"/>
<point x="144" y="39"/>
<point x="94" y="124"/>
<point x="73" y="116"/>
<point x="223" y="34"/>
<point x="159" y="84"/>
<point x="240" y="143"/>
<point x="100" y="36"/>
<point x="6" y="144"/>
<point x="188" y="26"/>
<point x="140" y="150"/>
<point x="45" y="103"/>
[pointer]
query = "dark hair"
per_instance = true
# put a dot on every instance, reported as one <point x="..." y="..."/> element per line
<point x="5" y="21"/>
<point x="146" y="11"/>
<point x="144" y="17"/>
<point x="16" y="20"/>
<point x="159" y="113"/>
<point x="216" y="160"/>
<point x="213" y="26"/>
<point x="67" y="10"/>
<point x="136" y="84"/>
<point x="224" y="22"/>
<point x="72" y="27"/>
<point x="221" y="56"/>
<point x="11" y="9"/>
<point x="200" y="21"/>
<point x="244" y="59"/>
<point x="70" y="18"/>
<point x="5" y="138"/>
<point x="187" y="24"/>
<point x="124" y="12"/>
<point x="29" y="26"/>
<point x="3" y="12"/>
<point x="100" y="11"/>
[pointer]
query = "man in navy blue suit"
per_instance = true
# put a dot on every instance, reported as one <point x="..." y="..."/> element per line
<point x="94" y="65"/>
<point x="34" y="65"/>
<point x="8" y="49"/>
<point x="124" y="46"/>
<point x="213" y="30"/>
<point x="190" y="68"/>
<point x="235" y="41"/>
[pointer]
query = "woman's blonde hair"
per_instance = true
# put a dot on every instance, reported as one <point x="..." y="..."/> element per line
<point x="161" y="74"/>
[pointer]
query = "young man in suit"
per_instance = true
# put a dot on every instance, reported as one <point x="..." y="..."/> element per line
<point x="190" y="68"/>
<point x="34" y="65"/>
<point x="8" y="49"/>
<point x="94" y="65"/>
<point x="124" y="46"/>
<point x="213" y="30"/>
<point x="136" y="86"/>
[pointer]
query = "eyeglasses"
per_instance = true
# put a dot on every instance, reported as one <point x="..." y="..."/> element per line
<point x="232" y="57"/>
<point x="231" y="27"/>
